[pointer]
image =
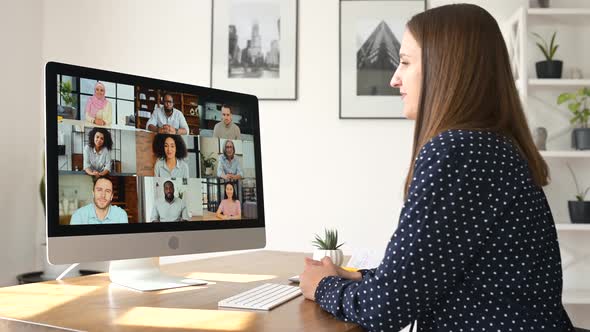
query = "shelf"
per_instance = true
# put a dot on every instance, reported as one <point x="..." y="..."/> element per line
<point x="565" y="154"/>
<point x="576" y="296"/>
<point x="567" y="16"/>
<point x="572" y="227"/>
<point x="548" y="82"/>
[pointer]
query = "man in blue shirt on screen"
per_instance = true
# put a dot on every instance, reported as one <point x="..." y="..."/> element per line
<point x="100" y="211"/>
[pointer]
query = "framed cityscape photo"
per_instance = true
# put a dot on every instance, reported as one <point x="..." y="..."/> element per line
<point x="255" y="47"/>
<point x="370" y="39"/>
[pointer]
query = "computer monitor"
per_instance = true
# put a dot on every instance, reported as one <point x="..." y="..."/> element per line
<point x="138" y="167"/>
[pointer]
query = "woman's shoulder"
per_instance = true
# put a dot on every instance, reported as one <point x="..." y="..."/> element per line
<point x="469" y="146"/>
<point x="466" y="140"/>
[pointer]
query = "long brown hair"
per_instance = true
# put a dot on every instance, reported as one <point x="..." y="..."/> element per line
<point x="467" y="82"/>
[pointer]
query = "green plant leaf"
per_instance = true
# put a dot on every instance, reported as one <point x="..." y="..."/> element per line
<point x="553" y="50"/>
<point x="329" y="242"/>
<point x="563" y="98"/>
<point x="552" y="40"/>
<point x="544" y="51"/>
<point x="574" y="107"/>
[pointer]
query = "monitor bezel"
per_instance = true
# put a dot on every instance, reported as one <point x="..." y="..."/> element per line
<point x="54" y="229"/>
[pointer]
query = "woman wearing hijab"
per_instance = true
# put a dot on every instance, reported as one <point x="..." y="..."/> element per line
<point x="98" y="108"/>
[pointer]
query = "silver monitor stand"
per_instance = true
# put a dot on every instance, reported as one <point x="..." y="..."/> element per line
<point x="144" y="274"/>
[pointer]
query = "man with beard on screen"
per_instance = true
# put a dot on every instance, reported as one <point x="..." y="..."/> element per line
<point x="100" y="211"/>
<point x="169" y="208"/>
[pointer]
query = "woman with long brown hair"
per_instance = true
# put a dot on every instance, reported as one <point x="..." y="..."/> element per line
<point x="476" y="247"/>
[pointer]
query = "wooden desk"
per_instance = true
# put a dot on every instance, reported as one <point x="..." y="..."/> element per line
<point x="92" y="303"/>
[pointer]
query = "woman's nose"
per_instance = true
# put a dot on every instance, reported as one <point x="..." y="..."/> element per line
<point x="396" y="82"/>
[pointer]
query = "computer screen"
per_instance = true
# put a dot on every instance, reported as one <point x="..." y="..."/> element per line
<point x="142" y="167"/>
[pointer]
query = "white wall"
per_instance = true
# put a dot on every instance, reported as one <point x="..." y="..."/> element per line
<point x="21" y="82"/>
<point x="321" y="152"/>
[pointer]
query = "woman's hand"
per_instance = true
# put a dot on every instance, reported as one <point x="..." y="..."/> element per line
<point x="313" y="273"/>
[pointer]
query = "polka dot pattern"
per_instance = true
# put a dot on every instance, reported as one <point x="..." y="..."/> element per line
<point x="475" y="250"/>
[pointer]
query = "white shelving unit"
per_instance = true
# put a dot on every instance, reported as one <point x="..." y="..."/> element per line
<point x="564" y="227"/>
<point x="518" y="39"/>
<point x="563" y="82"/>
<point x="559" y="15"/>
<point x="576" y="296"/>
<point x="565" y="154"/>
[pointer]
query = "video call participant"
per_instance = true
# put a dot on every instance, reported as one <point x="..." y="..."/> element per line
<point x="167" y="119"/>
<point x="97" y="154"/>
<point x="171" y="153"/>
<point x="228" y="167"/>
<point x="226" y="128"/>
<point x="100" y="211"/>
<point x="98" y="108"/>
<point x="230" y="207"/>
<point x="169" y="208"/>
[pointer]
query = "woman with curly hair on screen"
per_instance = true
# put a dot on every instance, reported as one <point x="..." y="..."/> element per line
<point x="97" y="154"/>
<point x="171" y="153"/>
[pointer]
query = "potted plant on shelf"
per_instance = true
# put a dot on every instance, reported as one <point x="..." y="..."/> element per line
<point x="549" y="68"/>
<point x="69" y="102"/>
<point x="209" y="163"/>
<point x="328" y="246"/>
<point x="578" y="105"/>
<point x="579" y="209"/>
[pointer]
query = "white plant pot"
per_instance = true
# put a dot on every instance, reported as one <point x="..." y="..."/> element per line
<point x="335" y="255"/>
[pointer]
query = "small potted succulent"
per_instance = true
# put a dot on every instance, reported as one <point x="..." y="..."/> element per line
<point x="328" y="246"/>
<point x="579" y="209"/>
<point x="209" y="163"/>
<point x="549" y="68"/>
<point x="578" y="105"/>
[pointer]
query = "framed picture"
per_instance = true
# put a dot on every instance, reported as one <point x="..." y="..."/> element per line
<point x="255" y="47"/>
<point x="370" y="38"/>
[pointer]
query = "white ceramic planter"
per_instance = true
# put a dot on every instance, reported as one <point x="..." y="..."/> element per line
<point x="335" y="255"/>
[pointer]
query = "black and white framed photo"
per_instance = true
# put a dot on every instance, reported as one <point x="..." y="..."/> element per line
<point x="370" y="38"/>
<point x="255" y="47"/>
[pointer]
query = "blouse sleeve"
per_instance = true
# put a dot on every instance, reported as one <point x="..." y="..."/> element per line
<point x="157" y="168"/>
<point x="108" y="161"/>
<point x="443" y="224"/>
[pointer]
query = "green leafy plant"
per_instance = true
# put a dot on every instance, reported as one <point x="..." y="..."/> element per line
<point x="578" y="105"/>
<point x="548" y="50"/>
<point x="329" y="242"/>
<point x="208" y="161"/>
<point x="65" y="91"/>
<point x="580" y="194"/>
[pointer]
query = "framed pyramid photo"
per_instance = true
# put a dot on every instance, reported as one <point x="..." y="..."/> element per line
<point x="370" y="38"/>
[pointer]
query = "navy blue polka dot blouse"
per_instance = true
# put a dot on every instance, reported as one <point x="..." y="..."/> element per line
<point x="475" y="250"/>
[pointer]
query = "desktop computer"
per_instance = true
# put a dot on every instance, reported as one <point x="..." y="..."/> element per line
<point x="138" y="168"/>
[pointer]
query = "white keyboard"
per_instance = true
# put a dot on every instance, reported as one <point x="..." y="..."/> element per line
<point x="263" y="297"/>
